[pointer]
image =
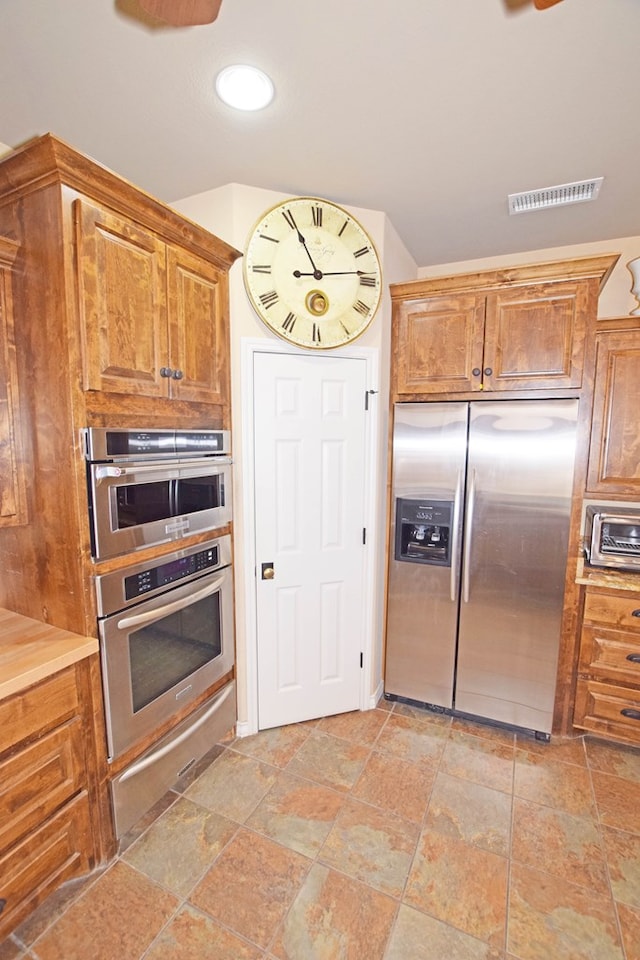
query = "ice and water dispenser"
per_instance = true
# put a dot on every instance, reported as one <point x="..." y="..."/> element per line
<point x="423" y="531"/>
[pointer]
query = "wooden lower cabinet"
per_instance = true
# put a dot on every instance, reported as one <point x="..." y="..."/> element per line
<point x="39" y="864"/>
<point x="608" y="689"/>
<point x="47" y="831"/>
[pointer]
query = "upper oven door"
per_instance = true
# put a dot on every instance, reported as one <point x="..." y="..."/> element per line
<point x="161" y="654"/>
<point x="140" y="505"/>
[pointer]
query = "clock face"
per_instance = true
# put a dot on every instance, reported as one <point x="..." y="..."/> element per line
<point x="312" y="273"/>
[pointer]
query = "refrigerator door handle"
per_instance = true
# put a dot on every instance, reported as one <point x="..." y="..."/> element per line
<point x="455" y="538"/>
<point x="466" y="563"/>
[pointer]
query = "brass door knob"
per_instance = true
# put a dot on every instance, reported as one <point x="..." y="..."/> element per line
<point x="268" y="573"/>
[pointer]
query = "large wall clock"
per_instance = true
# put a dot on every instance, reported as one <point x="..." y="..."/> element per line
<point x="312" y="273"/>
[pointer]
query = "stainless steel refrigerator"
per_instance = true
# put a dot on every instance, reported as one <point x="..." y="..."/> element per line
<point x="480" y="524"/>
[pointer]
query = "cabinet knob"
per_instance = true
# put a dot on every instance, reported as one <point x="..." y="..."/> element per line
<point x="177" y="374"/>
<point x="635" y="613"/>
<point x="3" y="904"/>
<point x="488" y="371"/>
<point x="630" y="713"/>
<point x="476" y="371"/>
<point x="166" y="372"/>
<point x="633" y="657"/>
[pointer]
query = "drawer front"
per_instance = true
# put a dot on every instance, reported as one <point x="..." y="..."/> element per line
<point x="38" y="779"/>
<point x="39" y="708"/>
<point x="141" y="784"/>
<point x="34" y="868"/>
<point x="607" y="709"/>
<point x="618" y="610"/>
<point x="610" y="654"/>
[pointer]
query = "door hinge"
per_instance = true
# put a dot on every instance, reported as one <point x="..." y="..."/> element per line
<point x="361" y="660"/>
<point x="364" y="535"/>
<point x="366" y="398"/>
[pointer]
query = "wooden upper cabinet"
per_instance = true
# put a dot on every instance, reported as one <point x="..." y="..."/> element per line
<point x="153" y="315"/>
<point x="198" y="333"/>
<point x="519" y="328"/>
<point x="13" y="509"/>
<point x="123" y="310"/>
<point x="534" y="337"/>
<point x="614" y="453"/>
<point x="439" y="343"/>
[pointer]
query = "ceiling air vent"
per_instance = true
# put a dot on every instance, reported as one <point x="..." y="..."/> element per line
<point x="565" y="193"/>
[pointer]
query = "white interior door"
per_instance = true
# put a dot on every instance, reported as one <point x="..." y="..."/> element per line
<point x="309" y="419"/>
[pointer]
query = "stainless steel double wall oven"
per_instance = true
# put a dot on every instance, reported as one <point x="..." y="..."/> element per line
<point x="166" y="624"/>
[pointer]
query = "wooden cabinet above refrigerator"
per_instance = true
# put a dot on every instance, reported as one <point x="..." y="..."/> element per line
<point x="517" y="329"/>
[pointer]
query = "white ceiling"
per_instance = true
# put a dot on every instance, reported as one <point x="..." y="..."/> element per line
<point x="430" y="110"/>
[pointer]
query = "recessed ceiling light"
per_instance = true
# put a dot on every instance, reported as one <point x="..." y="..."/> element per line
<point x="244" y="87"/>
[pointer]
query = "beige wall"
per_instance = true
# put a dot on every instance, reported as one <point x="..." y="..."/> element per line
<point x="615" y="300"/>
<point x="230" y="212"/>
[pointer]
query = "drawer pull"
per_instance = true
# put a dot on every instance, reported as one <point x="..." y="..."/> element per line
<point x="3" y="904"/>
<point x="634" y="657"/>
<point x="630" y="713"/>
<point x="635" y="613"/>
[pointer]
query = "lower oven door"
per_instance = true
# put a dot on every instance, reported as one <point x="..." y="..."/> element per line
<point x="160" y="655"/>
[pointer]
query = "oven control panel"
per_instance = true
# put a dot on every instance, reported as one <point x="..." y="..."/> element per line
<point x="137" y="582"/>
<point x="163" y="574"/>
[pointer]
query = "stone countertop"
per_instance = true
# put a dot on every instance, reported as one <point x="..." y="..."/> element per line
<point x="30" y="651"/>
<point x="606" y="577"/>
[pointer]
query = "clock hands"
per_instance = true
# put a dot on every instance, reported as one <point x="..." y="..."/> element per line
<point x="318" y="274"/>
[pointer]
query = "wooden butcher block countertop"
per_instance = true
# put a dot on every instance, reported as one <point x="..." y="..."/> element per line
<point x="31" y="651"/>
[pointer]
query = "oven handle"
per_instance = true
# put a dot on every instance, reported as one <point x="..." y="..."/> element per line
<point x="164" y="469"/>
<point x="168" y="747"/>
<point x="141" y="618"/>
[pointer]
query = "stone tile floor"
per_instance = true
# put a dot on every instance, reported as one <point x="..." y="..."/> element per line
<point x="395" y="834"/>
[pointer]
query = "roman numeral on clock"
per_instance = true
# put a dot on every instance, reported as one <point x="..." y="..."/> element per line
<point x="289" y="322"/>
<point x="261" y="268"/>
<point x="361" y="307"/>
<point x="316" y="333"/>
<point x="367" y="281"/>
<point x="268" y="299"/>
<point x="316" y="213"/>
<point x="361" y="252"/>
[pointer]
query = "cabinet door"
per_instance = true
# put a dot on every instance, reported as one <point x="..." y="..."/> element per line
<point x="614" y="454"/>
<point x="43" y="860"/>
<point x="438" y="343"/>
<point x="198" y="328"/>
<point x="534" y="336"/>
<point x="122" y="296"/>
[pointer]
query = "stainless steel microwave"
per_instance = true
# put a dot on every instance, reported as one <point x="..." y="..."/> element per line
<point x="612" y="537"/>
<point x="149" y="487"/>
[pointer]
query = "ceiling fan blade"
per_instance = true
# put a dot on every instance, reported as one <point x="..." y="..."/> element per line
<point x="543" y="4"/>
<point x="183" y="13"/>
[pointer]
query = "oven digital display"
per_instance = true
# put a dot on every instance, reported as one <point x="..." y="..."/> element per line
<point x="168" y="572"/>
<point x="152" y="578"/>
<point x="125" y="443"/>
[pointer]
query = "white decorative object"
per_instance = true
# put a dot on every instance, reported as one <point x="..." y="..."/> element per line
<point x="634" y="267"/>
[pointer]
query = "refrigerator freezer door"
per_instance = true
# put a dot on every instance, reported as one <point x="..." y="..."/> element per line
<point x="518" y="499"/>
<point x="429" y="452"/>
